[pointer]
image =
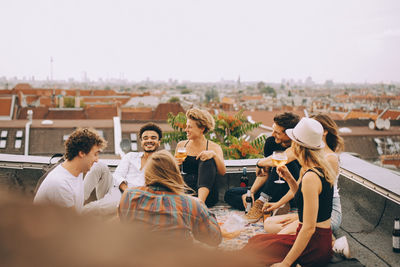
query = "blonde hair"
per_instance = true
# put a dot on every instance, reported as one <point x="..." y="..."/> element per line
<point x="310" y="157"/>
<point x="162" y="169"/>
<point x="202" y="118"/>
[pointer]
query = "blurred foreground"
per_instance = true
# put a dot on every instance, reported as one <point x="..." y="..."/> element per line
<point x="50" y="236"/>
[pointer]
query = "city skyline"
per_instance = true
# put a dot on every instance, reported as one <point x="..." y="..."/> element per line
<point x="343" y="41"/>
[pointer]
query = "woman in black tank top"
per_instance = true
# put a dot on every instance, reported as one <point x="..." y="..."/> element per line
<point x="204" y="159"/>
<point x="312" y="244"/>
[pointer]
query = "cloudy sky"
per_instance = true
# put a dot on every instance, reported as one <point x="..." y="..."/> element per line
<point x="203" y="40"/>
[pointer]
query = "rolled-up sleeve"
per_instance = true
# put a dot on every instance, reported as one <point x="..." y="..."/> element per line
<point x="207" y="229"/>
<point x="121" y="171"/>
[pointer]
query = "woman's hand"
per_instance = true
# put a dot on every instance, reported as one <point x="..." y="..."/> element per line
<point x="206" y="155"/>
<point x="284" y="172"/>
<point x="270" y="206"/>
<point x="179" y="161"/>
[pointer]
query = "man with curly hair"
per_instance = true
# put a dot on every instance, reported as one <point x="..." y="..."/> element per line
<point x="63" y="186"/>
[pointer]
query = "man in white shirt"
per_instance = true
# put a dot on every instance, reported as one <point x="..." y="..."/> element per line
<point x="129" y="173"/>
<point x="63" y="186"/>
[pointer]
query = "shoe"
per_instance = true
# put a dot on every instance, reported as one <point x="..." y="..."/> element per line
<point x="255" y="212"/>
<point x="341" y="247"/>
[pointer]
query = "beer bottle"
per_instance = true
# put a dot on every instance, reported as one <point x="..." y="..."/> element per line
<point x="244" y="181"/>
<point x="396" y="236"/>
<point x="248" y="201"/>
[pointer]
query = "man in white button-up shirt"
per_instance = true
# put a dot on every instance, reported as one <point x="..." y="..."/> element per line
<point x="129" y="173"/>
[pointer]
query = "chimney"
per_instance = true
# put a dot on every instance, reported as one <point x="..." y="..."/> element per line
<point x="77" y="99"/>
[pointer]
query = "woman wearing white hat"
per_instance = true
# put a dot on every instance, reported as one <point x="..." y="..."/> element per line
<point x="312" y="244"/>
<point x="287" y="223"/>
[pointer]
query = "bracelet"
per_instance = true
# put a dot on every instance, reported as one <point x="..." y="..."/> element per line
<point x="258" y="166"/>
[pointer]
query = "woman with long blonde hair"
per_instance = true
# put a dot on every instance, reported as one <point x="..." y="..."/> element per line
<point x="312" y="244"/>
<point x="163" y="205"/>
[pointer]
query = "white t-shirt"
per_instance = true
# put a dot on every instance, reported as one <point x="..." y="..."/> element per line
<point x="61" y="188"/>
<point x="128" y="170"/>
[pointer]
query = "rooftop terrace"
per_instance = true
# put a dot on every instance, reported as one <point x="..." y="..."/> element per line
<point x="370" y="198"/>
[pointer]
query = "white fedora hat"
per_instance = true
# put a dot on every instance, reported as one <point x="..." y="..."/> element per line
<point x="308" y="133"/>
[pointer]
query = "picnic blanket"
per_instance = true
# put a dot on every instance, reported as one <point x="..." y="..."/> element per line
<point x="251" y="229"/>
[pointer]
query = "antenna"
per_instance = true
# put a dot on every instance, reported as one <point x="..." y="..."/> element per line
<point x="52" y="82"/>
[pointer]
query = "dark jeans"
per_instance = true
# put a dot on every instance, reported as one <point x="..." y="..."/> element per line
<point x="276" y="191"/>
<point x="206" y="177"/>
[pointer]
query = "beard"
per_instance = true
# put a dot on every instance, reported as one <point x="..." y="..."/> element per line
<point x="150" y="150"/>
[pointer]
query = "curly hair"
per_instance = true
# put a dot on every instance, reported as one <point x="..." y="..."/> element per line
<point x="287" y="120"/>
<point x="150" y="127"/>
<point x="82" y="139"/>
<point x="202" y="118"/>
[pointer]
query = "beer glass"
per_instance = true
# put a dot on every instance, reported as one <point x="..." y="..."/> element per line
<point x="279" y="158"/>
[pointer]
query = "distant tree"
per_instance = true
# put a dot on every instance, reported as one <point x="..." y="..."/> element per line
<point x="142" y="88"/>
<point x="211" y="95"/>
<point x="181" y="87"/>
<point x="186" y="91"/>
<point x="260" y="86"/>
<point x="174" y="99"/>
<point x="289" y="93"/>
<point x="69" y="102"/>
<point x="268" y="90"/>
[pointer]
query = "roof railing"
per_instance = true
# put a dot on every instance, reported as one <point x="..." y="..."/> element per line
<point x="378" y="179"/>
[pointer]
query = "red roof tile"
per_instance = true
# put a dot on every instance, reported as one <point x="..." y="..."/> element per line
<point x="391" y="114"/>
<point x="251" y="97"/>
<point x="65" y="114"/>
<point x="360" y="115"/>
<point x="5" y="106"/>
<point x="162" y="110"/>
<point x="39" y="113"/>
<point x="23" y="86"/>
<point x="101" y="113"/>
<point x="264" y="116"/>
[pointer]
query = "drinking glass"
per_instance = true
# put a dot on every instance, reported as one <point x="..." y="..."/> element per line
<point x="279" y="158"/>
<point x="181" y="154"/>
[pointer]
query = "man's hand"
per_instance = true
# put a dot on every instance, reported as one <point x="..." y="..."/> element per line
<point x="244" y="199"/>
<point x="260" y="171"/>
<point x="123" y="186"/>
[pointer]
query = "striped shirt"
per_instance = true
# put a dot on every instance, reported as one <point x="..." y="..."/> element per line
<point x="160" y="209"/>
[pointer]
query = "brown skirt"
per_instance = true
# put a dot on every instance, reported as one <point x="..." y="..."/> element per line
<point x="273" y="248"/>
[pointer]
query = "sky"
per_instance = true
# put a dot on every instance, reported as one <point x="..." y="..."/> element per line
<point x="201" y="41"/>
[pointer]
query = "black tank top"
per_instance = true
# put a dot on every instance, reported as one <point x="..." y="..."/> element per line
<point x="324" y="198"/>
<point x="191" y="164"/>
